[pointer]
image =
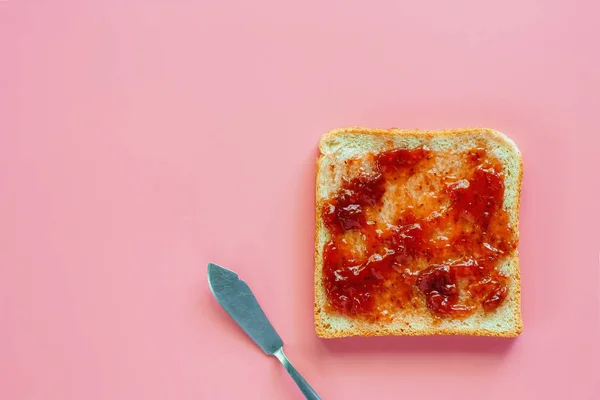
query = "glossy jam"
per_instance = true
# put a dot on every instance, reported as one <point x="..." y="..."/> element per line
<point x="441" y="254"/>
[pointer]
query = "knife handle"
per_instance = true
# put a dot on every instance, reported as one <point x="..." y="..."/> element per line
<point x="306" y="389"/>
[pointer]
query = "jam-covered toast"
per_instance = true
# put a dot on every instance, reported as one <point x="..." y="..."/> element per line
<point x="417" y="233"/>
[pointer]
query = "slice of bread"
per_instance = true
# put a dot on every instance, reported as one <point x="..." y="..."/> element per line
<point x="349" y="153"/>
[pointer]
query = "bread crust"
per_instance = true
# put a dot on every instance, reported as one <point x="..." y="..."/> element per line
<point x="510" y="323"/>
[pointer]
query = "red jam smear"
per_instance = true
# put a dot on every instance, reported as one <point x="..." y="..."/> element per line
<point x="405" y="261"/>
<point x="346" y="211"/>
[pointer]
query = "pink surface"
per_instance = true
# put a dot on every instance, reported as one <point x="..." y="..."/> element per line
<point x="141" y="139"/>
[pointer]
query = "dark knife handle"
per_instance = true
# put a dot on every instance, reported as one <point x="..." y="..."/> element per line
<point x="306" y="389"/>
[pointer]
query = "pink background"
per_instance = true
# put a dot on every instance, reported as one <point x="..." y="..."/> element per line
<point x="141" y="139"/>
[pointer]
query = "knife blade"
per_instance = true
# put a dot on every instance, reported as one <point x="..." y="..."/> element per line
<point x="234" y="295"/>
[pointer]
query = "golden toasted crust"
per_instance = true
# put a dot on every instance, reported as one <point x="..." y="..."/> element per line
<point x="505" y="321"/>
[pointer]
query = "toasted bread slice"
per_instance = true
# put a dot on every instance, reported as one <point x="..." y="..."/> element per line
<point x="424" y="190"/>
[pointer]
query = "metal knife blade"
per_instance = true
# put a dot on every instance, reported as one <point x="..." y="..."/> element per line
<point x="234" y="295"/>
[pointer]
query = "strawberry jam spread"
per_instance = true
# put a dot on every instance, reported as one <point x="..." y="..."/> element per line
<point x="418" y="229"/>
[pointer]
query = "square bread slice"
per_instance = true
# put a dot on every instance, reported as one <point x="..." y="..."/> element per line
<point x="417" y="233"/>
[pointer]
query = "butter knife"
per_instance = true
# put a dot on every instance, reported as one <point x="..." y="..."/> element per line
<point x="234" y="295"/>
